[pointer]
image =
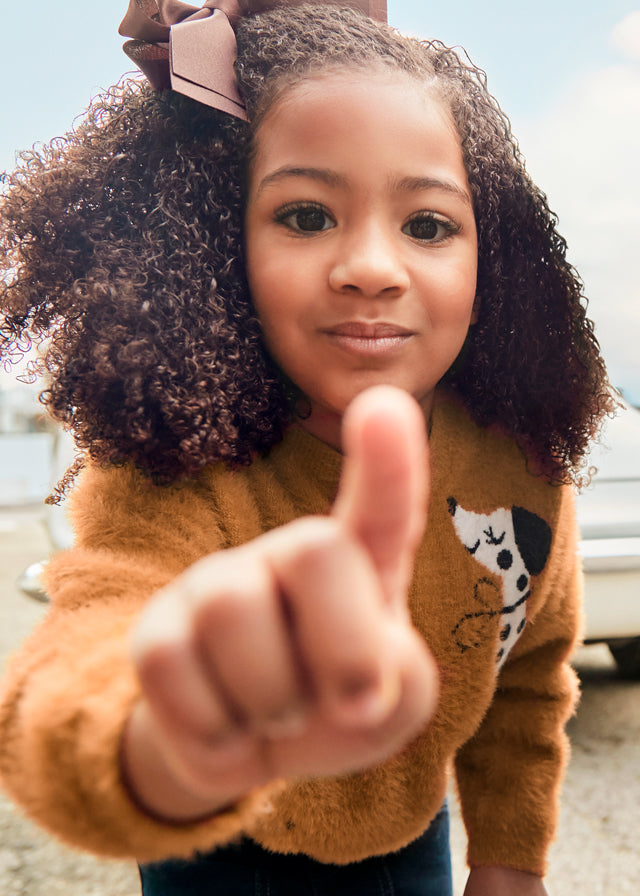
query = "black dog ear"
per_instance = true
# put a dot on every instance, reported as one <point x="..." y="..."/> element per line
<point x="533" y="538"/>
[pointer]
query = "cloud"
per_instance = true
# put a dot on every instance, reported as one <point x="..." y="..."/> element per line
<point x="584" y="154"/>
<point x="625" y="37"/>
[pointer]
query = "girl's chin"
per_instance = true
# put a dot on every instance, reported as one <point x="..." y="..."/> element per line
<point x="325" y="423"/>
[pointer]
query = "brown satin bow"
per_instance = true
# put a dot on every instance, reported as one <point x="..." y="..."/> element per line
<point x="192" y="49"/>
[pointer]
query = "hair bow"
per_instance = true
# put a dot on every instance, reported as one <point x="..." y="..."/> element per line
<point x="192" y="49"/>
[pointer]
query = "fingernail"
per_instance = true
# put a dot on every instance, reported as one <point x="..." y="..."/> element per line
<point x="366" y="705"/>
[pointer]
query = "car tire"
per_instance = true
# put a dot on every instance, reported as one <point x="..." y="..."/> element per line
<point x="626" y="654"/>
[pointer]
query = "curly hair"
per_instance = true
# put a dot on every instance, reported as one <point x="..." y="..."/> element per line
<point x="122" y="251"/>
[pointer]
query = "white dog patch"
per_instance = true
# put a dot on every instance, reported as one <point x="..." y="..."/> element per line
<point x="514" y="544"/>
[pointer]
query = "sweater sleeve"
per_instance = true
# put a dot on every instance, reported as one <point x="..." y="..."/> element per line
<point x="68" y="692"/>
<point x="509" y="773"/>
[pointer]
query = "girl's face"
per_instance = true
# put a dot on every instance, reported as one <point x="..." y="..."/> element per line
<point x="360" y="240"/>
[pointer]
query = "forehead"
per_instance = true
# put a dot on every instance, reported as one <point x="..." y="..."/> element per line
<point x="382" y="117"/>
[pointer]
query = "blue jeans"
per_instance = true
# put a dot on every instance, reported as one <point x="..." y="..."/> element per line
<point x="423" y="868"/>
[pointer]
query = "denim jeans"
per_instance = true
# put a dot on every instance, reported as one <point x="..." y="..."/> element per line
<point x="423" y="868"/>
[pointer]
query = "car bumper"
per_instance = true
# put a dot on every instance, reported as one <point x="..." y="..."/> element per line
<point x="612" y="587"/>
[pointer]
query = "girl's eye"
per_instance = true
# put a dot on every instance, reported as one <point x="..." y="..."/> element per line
<point x="305" y="218"/>
<point x="429" y="229"/>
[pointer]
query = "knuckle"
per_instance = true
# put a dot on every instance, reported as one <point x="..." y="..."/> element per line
<point x="232" y="595"/>
<point x="317" y="534"/>
<point x="157" y="669"/>
<point x="227" y="609"/>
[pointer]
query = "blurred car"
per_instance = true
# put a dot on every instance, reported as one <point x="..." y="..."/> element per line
<point x="609" y="520"/>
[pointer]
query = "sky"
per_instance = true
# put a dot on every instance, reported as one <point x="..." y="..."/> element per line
<point x="567" y="72"/>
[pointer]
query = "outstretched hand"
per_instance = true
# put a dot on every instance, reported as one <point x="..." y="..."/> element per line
<point x="294" y="654"/>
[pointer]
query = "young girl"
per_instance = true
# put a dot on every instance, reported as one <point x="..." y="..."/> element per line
<point x="259" y="666"/>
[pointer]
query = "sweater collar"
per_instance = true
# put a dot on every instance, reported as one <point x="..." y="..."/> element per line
<point x="306" y="467"/>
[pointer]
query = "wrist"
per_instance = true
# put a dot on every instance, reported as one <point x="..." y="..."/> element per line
<point x="495" y="880"/>
<point x="151" y="780"/>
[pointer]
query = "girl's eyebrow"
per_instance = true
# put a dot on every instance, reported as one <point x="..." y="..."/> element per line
<point x="331" y="178"/>
<point x="323" y="175"/>
<point x="416" y="184"/>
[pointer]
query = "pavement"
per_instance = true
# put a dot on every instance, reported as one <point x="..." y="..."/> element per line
<point x="595" y="854"/>
<point x="32" y="863"/>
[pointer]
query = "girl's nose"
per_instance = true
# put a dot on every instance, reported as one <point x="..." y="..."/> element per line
<point x="368" y="262"/>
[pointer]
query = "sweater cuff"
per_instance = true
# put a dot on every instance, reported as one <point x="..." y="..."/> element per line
<point x="512" y="823"/>
<point x="119" y="826"/>
<point x="69" y="779"/>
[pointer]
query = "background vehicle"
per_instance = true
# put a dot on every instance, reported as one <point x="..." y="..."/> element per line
<point x="609" y="519"/>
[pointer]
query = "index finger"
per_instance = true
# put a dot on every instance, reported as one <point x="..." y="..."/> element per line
<point x="383" y="490"/>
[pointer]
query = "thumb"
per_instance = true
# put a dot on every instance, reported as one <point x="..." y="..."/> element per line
<point x="382" y="498"/>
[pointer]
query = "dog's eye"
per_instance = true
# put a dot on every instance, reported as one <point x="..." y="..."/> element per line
<point x="491" y="538"/>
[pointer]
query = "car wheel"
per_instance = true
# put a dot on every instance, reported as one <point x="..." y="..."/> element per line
<point x="627" y="656"/>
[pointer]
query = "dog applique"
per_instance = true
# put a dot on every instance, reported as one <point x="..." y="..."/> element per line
<point x="514" y="544"/>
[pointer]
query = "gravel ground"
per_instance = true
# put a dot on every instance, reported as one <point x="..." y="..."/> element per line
<point x="596" y="851"/>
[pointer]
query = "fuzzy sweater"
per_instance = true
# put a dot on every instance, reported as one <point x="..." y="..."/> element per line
<point x="495" y="593"/>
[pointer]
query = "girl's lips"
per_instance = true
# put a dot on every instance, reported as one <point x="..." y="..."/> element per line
<point x="368" y="339"/>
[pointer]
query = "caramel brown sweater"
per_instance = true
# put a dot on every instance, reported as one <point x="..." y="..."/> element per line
<point x="495" y="593"/>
